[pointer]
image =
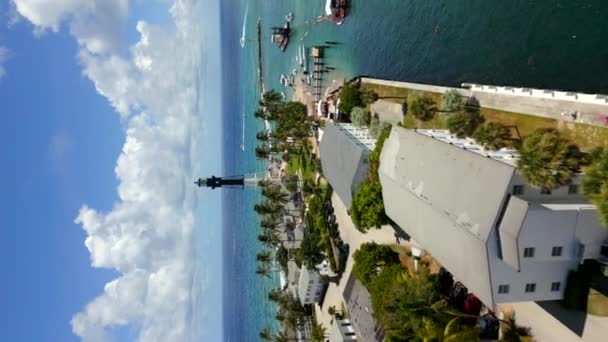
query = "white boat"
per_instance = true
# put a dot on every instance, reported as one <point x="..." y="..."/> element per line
<point x="294" y="72"/>
<point x="301" y="55"/>
<point x="242" y="40"/>
<point x="289" y="17"/>
<point x="304" y="58"/>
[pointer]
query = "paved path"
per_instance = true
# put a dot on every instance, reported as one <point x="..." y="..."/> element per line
<point x="543" y="107"/>
<point x="354" y="239"/>
<point x="545" y="327"/>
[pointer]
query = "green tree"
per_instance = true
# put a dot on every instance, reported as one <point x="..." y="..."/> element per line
<point x="262" y="152"/>
<point x="360" y="117"/>
<point x="463" y="123"/>
<point x="367" y="206"/>
<point x="310" y="249"/>
<point x="451" y="101"/>
<point x="264" y="257"/>
<point x="317" y="332"/>
<point x="595" y="184"/>
<point x="269" y="238"/>
<point x="493" y="136"/>
<point x="266" y="334"/>
<point x="368" y="96"/>
<point x="350" y="97"/>
<point x="423" y="108"/>
<point x="370" y="258"/>
<point x="547" y="160"/>
<point x="404" y="108"/>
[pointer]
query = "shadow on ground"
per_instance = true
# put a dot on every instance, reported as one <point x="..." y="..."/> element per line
<point x="572" y="319"/>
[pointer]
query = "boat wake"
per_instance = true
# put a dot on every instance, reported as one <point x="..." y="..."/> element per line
<point x="242" y="40"/>
<point x="243" y="141"/>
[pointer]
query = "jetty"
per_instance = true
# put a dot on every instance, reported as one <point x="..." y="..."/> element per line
<point x="260" y="61"/>
<point x="317" y="75"/>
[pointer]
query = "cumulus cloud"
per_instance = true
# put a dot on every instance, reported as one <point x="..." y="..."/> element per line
<point x="4" y="55"/>
<point x="147" y="235"/>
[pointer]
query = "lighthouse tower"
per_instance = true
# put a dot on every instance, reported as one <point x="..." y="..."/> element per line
<point x="237" y="182"/>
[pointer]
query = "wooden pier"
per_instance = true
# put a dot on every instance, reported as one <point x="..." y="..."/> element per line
<point x="317" y="58"/>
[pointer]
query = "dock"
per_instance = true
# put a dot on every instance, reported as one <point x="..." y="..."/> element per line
<point x="317" y="58"/>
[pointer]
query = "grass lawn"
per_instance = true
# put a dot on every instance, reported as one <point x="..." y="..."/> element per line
<point x="585" y="136"/>
<point x="597" y="304"/>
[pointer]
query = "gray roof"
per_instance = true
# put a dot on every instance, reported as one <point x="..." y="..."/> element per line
<point x="510" y="227"/>
<point x="447" y="199"/>
<point x="359" y="304"/>
<point x="344" y="161"/>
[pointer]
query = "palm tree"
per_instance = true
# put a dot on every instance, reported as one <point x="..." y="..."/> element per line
<point x="260" y="113"/>
<point x="264" y="271"/>
<point x="274" y="193"/>
<point x="264" y="256"/>
<point x="317" y="332"/>
<point x="269" y="239"/>
<point x="262" y="136"/>
<point x="266" y="334"/>
<point x="332" y="310"/>
<point x="548" y="160"/>
<point x="269" y="222"/>
<point x="262" y="152"/>
<point x="454" y="331"/>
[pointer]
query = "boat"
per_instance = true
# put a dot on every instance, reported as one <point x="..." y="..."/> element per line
<point x="289" y="17"/>
<point x="300" y="56"/>
<point x="331" y="42"/>
<point x="336" y="10"/>
<point x="304" y="59"/>
<point x="294" y="72"/>
<point x="280" y="36"/>
<point x="285" y="81"/>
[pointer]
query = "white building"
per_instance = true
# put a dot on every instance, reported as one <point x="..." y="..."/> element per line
<point x="505" y="240"/>
<point x="342" y="331"/>
<point x="310" y="286"/>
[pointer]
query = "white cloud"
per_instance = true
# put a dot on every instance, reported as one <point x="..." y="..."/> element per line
<point x="147" y="235"/>
<point x="4" y="56"/>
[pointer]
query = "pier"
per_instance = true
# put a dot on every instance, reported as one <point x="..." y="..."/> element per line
<point x="317" y="58"/>
<point x="260" y="60"/>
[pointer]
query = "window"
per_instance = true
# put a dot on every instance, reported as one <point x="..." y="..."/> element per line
<point x="503" y="288"/>
<point x="518" y="189"/>
<point x="529" y="252"/>
<point x="555" y="286"/>
<point x="530" y="287"/>
<point x="545" y="191"/>
<point x="556" y="251"/>
<point x="573" y="189"/>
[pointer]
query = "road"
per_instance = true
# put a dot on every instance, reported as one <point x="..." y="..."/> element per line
<point x="354" y="238"/>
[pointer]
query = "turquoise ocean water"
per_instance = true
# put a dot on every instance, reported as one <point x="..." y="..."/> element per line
<point x="534" y="43"/>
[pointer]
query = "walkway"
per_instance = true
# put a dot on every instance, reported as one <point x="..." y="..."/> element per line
<point x="545" y="327"/>
<point x="588" y="113"/>
<point x="354" y="238"/>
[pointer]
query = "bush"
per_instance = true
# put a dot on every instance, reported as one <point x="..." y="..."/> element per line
<point x="451" y="101"/>
<point x="493" y="136"/>
<point x="367" y="207"/>
<point x="423" y="108"/>
<point x="464" y="123"/>
<point x="360" y="117"/>
<point x="350" y="97"/>
<point x="376" y="127"/>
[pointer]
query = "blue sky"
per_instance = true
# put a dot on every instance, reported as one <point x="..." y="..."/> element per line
<point x="90" y="132"/>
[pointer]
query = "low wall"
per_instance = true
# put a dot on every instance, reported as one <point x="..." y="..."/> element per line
<point x="539" y="93"/>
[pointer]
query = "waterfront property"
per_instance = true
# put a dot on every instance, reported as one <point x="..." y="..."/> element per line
<point x="359" y="304"/>
<point x="310" y="286"/>
<point x="505" y="240"/>
<point x="342" y="331"/>
<point x="344" y="151"/>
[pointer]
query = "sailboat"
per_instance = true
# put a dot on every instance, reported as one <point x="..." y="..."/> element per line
<point x="242" y="40"/>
